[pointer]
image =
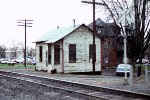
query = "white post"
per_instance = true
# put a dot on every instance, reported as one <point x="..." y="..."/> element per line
<point x="125" y="48"/>
<point x="125" y="57"/>
<point x="123" y="19"/>
<point x="125" y="54"/>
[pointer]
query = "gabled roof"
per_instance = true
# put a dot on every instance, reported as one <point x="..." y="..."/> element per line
<point x="98" y="21"/>
<point x="57" y="34"/>
<point x="111" y="29"/>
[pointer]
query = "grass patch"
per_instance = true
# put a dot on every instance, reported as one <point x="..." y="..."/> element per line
<point x="17" y="66"/>
<point x="143" y="68"/>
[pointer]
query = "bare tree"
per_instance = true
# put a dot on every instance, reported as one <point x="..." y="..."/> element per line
<point x="14" y="49"/>
<point x="142" y="32"/>
<point x="2" y="51"/>
<point x="139" y="39"/>
<point x="31" y="52"/>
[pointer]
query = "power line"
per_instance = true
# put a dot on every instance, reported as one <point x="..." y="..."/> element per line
<point x="26" y="23"/>
<point x="94" y="29"/>
<point x="94" y="32"/>
<point x="89" y="2"/>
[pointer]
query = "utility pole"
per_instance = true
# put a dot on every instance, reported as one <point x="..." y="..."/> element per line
<point x="94" y="32"/>
<point x="25" y="23"/>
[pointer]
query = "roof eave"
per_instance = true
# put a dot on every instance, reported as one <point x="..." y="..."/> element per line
<point x="39" y="41"/>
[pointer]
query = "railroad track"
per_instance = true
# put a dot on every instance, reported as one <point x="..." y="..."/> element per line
<point x="86" y="92"/>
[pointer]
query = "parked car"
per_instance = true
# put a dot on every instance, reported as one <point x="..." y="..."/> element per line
<point x="144" y="61"/>
<point x="4" y="61"/>
<point x="1" y="59"/>
<point x="12" y="59"/>
<point x="121" y="69"/>
<point x="19" y="60"/>
<point x="31" y="62"/>
<point x="11" y="62"/>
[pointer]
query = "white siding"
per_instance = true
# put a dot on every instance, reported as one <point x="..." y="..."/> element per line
<point x="82" y="37"/>
<point x="41" y="65"/>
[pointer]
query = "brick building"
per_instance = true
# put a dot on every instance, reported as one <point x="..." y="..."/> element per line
<point x="112" y="45"/>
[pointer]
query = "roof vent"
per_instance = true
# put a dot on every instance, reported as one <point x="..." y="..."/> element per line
<point x="57" y="27"/>
<point x="74" y="22"/>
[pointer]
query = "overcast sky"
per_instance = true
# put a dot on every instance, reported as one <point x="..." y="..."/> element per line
<point x="47" y="15"/>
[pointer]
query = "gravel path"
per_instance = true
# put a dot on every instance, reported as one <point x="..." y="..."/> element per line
<point x="99" y="80"/>
<point x="11" y="90"/>
<point x="14" y="90"/>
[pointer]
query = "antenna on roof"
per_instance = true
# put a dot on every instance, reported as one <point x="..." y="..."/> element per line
<point x="57" y="27"/>
<point x="74" y="22"/>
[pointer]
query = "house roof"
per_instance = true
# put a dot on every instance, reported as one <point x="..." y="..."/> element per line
<point x="57" y="34"/>
<point x="98" y="21"/>
<point x="111" y="29"/>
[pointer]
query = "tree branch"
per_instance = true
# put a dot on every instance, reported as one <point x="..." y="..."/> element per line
<point x="109" y="10"/>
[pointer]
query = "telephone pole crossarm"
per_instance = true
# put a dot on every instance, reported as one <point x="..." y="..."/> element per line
<point x="97" y="3"/>
<point x="26" y="23"/>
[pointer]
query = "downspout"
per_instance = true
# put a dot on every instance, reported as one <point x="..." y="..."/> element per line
<point x="46" y="59"/>
<point x="101" y="55"/>
<point x="62" y="57"/>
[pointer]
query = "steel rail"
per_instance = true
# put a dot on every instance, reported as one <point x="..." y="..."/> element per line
<point x="78" y="94"/>
<point x="97" y="91"/>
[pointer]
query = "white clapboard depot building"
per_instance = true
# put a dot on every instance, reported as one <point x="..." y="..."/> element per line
<point x="68" y="49"/>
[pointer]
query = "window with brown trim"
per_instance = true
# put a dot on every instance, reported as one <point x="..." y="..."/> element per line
<point x="91" y="51"/>
<point x="106" y="58"/>
<point x="106" y="45"/>
<point x="40" y="53"/>
<point x="49" y="54"/>
<point x="72" y="53"/>
<point x="57" y="54"/>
